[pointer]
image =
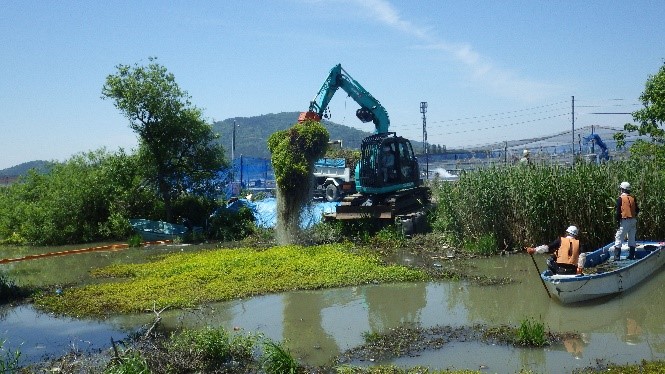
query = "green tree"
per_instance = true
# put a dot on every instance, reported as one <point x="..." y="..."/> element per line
<point x="89" y="197"/>
<point x="650" y="119"/>
<point x="178" y="149"/>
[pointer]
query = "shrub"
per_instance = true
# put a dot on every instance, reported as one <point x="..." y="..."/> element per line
<point x="230" y="225"/>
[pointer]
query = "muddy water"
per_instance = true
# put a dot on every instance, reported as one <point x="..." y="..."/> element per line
<point x="318" y="325"/>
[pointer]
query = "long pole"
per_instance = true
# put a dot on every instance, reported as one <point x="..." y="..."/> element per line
<point x="541" y="278"/>
<point x="573" y="120"/>
<point x="423" y="110"/>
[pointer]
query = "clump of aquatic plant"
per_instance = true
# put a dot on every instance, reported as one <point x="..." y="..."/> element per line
<point x="206" y="350"/>
<point x="371" y="336"/>
<point x="277" y="359"/>
<point x="531" y="333"/>
<point x="188" y="279"/>
<point x="9" y="359"/>
<point x="131" y="362"/>
<point x="294" y="152"/>
<point x="135" y="241"/>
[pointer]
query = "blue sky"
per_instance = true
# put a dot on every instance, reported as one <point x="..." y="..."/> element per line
<point x="489" y="70"/>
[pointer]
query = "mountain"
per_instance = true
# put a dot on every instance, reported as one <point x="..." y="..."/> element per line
<point x="252" y="133"/>
<point x="40" y="165"/>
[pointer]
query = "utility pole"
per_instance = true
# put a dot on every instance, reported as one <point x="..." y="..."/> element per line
<point x="233" y="149"/>
<point x="233" y="142"/>
<point x="423" y="110"/>
<point x="573" y="119"/>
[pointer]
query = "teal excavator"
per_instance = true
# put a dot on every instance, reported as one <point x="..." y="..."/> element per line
<point x="387" y="176"/>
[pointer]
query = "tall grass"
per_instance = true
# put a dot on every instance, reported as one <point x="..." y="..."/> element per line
<point x="277" y="359"/>
<point x="521" y="205"/>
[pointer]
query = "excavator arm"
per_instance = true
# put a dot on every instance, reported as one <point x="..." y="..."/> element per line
<point x="370" y="108"/>
<point x="604" y="155"/>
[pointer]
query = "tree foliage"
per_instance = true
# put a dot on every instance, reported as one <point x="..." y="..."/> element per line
<point x="651" y="118"/>
<point x="177" y="147"/>
<point x="86" y="198"/>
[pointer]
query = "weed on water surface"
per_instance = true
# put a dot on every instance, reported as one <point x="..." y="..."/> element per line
<point x="188" y="279"/>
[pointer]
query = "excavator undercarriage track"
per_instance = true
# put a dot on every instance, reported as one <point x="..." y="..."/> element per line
<point x="388" y="207"/>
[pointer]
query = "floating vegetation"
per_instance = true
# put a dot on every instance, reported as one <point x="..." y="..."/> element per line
<point x="188" y="279"/>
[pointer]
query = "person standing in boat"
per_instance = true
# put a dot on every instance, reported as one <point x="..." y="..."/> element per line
<point x="567" y="253"/>
<point x="626" y="216"/>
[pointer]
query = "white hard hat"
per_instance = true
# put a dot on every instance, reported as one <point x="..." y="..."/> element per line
<point x="525" y="152"/>
<point x="572" y="230"/>
<point x="625" y="186"/>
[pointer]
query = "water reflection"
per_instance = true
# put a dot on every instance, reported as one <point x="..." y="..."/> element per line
<point x="39" y="336"/>
<point x="318" y="325"/>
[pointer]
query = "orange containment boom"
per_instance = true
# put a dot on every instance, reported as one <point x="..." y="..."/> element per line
<point x="111" y="247"/>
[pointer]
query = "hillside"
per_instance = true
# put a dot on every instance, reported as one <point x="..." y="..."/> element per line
<point x="23" y="168"/>
<point x="252" y="133"/>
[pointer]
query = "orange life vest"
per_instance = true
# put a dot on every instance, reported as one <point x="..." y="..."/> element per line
<point x="568" y="252"/>
<point x="628" y="207"/>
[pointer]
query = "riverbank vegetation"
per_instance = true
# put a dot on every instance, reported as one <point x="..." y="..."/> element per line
<point x="517" y="206"/>
<point x="216" y="350"/>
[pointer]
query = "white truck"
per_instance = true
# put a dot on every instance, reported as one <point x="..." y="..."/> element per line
<point x="334" y="179"/>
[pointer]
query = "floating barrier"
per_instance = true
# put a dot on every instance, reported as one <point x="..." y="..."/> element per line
<point x="110" y="247"/>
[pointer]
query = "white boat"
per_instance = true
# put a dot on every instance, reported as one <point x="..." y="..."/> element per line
<point x="605" y="277"/>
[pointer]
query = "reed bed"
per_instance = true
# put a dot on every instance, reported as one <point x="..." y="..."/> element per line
<point x="526" y="205"/>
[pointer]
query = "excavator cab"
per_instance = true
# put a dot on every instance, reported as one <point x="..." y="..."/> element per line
<point x="387" y="164"/>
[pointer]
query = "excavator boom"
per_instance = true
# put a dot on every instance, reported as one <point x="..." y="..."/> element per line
<point x="370" y="108"/>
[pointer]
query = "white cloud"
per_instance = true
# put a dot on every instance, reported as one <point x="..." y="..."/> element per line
<point x="480" y="68"/>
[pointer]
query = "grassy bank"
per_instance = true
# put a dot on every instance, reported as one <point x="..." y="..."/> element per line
<point x="189" y="279"/>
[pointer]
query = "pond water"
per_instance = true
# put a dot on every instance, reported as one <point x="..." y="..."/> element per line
<point x="318" y="325"/>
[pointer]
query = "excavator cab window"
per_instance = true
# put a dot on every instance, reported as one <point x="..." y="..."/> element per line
<point x="387" y="161"/>
<point x="406" y="161"/>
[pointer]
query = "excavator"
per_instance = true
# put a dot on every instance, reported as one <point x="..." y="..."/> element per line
<point x="595" y="139"/>
<point x="387" y="176"/>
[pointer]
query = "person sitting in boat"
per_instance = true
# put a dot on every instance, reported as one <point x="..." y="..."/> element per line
<point x="567" y="253"/>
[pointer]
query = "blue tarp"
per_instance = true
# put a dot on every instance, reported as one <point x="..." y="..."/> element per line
<point x="331" y="162"/>
<point x="265" y="211"/>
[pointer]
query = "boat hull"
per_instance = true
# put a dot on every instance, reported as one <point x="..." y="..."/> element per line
<point x="625" y="274"/>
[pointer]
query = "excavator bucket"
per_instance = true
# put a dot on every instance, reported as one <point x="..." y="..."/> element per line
<point x="309" y="116"/>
